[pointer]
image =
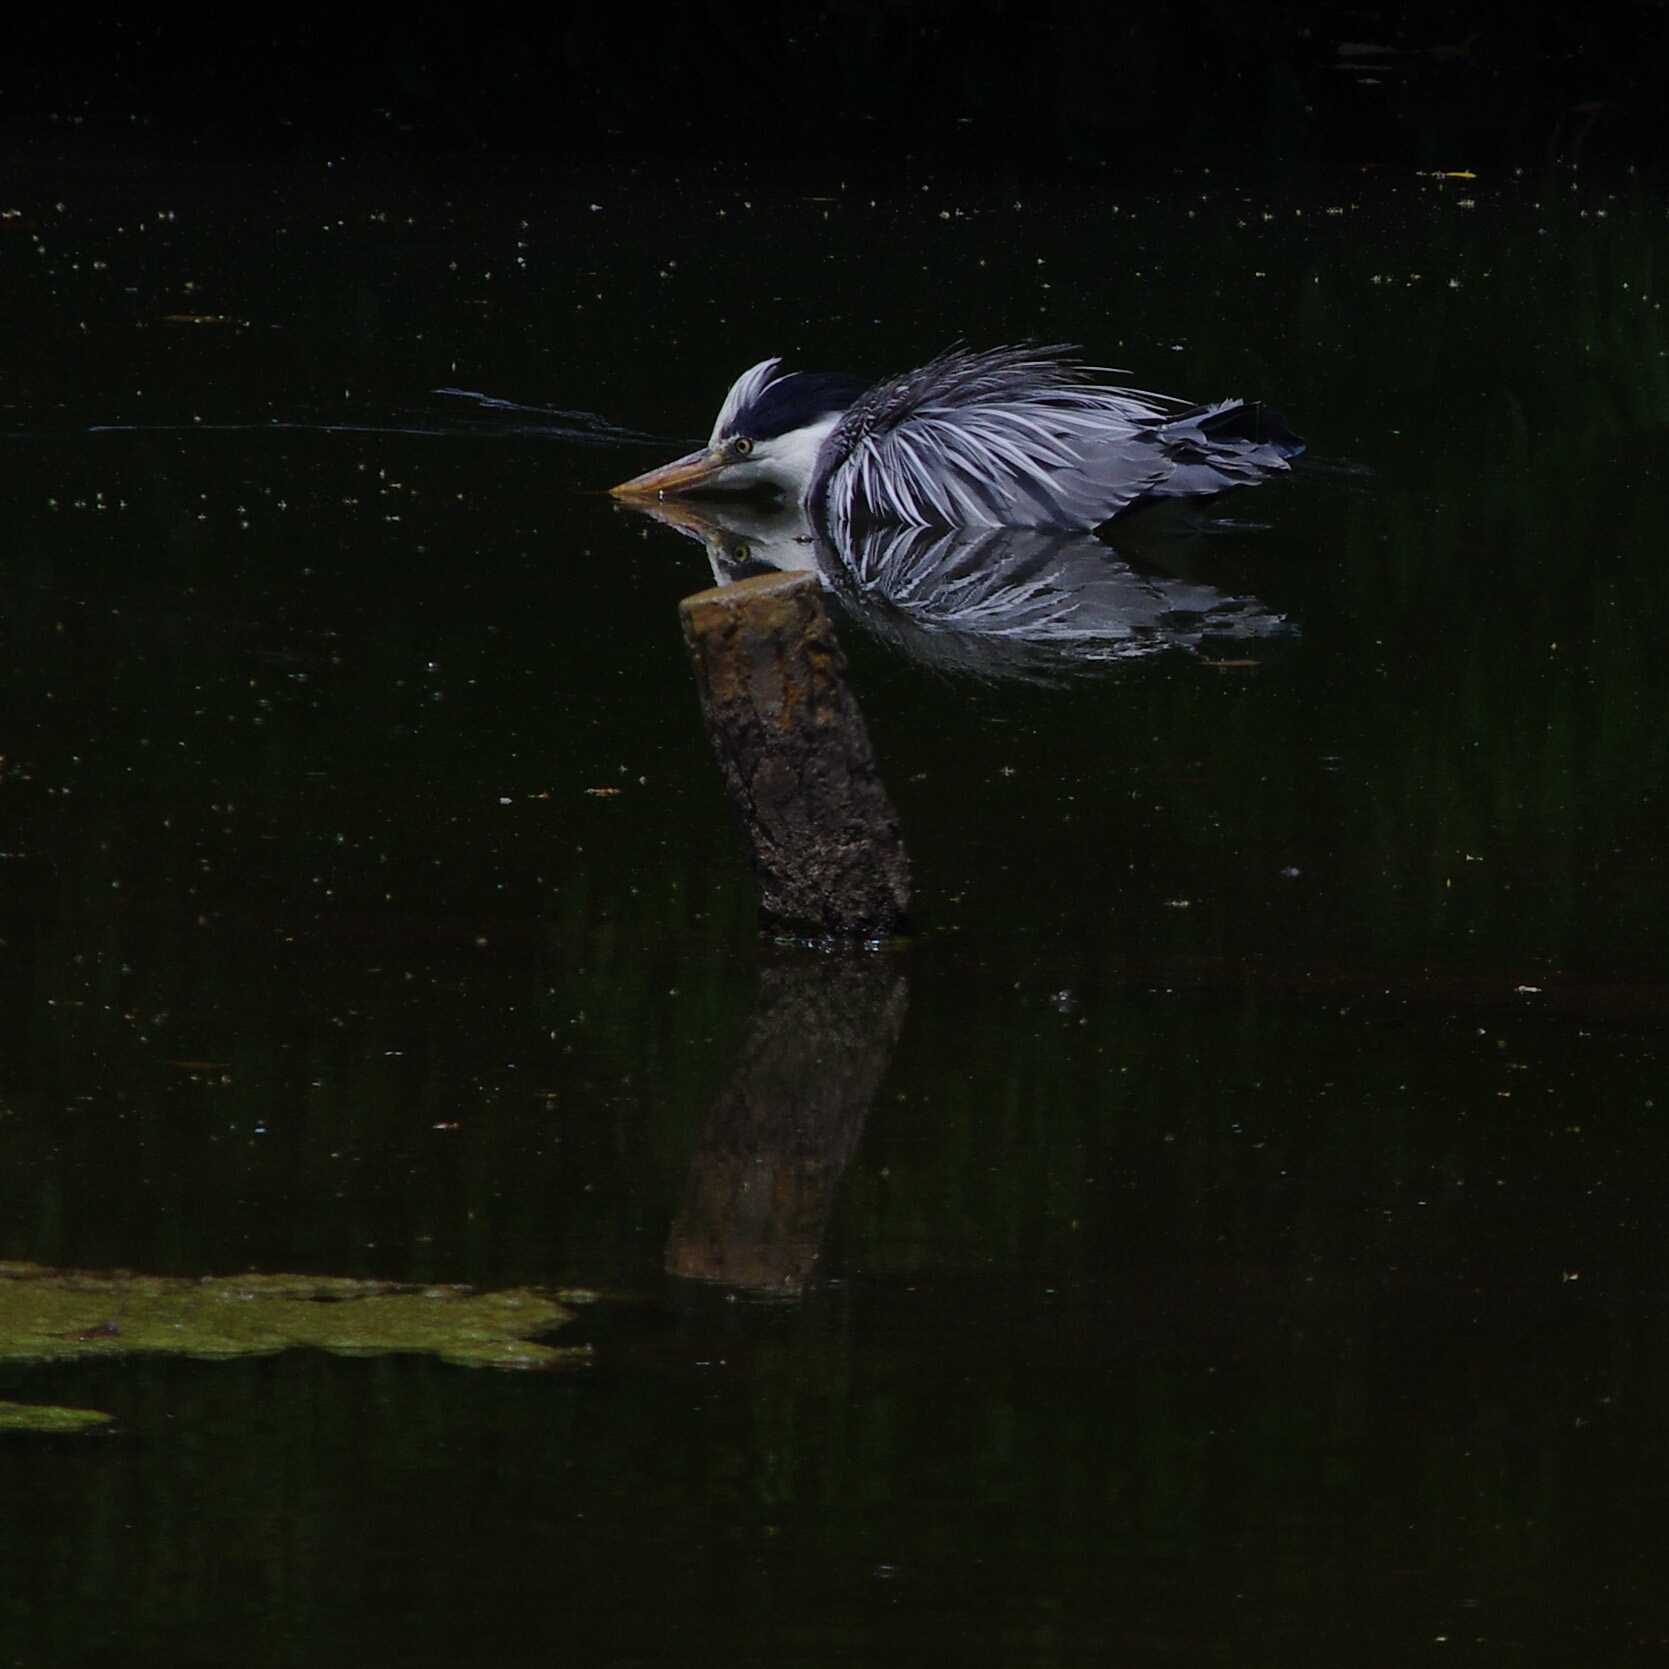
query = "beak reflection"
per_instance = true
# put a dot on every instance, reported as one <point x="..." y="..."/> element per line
<point x="693" y="470"/>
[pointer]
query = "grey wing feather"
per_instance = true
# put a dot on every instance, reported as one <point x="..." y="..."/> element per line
<point x="1229" y="444"/>
<point x="1022" y="437"/>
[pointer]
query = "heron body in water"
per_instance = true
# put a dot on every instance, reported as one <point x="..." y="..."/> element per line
<point x="1007" y="437"/>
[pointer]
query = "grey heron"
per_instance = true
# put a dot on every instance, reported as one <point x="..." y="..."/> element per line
<point x="1006" y="437"/>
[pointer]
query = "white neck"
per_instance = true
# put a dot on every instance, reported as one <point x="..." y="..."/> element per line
<point x="789" y="461"/>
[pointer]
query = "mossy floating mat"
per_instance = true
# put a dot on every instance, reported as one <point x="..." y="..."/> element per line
<point x="62" y="1314"/>
<point x="51" y="1421"/>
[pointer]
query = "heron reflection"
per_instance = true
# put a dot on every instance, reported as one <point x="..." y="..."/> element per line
<point x="1031" y="603"/>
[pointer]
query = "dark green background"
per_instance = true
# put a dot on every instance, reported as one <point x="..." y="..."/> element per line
<point x="1254" y="1250"/>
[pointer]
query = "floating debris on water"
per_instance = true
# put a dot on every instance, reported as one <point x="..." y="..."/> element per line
<point x="51" y="1420"/>
<point x="57" y="1314"/>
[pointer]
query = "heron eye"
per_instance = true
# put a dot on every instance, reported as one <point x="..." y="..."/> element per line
<point x="741" y="446"/>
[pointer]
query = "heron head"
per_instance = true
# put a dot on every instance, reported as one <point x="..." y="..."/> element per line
<point x="766" y="437"/>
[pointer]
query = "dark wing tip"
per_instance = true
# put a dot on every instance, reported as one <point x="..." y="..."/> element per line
<point x="1255" y="423"/>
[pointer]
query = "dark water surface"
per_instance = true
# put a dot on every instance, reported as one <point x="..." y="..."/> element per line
<point x="1231" y="1231"/>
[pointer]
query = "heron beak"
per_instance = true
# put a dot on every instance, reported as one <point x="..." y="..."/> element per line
<point x="694" y="469"/>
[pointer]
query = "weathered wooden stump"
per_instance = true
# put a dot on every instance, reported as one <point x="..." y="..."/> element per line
<point x="795" y="757"/>
<point x="767" y="1168"/>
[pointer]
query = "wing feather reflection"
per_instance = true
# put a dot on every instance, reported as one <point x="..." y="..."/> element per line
<point x="1028" y="603"/>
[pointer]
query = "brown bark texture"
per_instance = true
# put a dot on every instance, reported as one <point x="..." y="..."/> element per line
<point x="796" y="760"/>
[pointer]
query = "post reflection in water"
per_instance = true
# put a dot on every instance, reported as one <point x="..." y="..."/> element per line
<point x="771" y="1155"/>
<point x="1035" y="604"/>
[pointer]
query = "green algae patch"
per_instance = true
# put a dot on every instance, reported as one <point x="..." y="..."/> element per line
<point x="43" y="1417"/>
<point x="60" y="1314"/>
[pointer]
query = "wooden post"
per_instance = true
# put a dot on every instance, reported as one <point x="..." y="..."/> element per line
<point x="795" y="757"/>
